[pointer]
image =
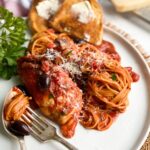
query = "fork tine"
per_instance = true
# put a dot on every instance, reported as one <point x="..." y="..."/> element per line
<point x="48" y="133"/>
<point x="44" y="121"/>
<point x="24" y="118"/>
<point x="41" y="118"/>
<point x="34" y="131"/>
<point x="36" y="135"/>
<point x="31" y="124"/>
<point x="41" y="125"/>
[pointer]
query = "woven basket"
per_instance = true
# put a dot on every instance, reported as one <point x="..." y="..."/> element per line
<point x="146" y="145"/>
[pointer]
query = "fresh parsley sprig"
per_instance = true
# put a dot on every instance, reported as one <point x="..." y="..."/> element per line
<point x="12" y="38"/>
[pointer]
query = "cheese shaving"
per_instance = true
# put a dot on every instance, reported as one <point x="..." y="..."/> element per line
<point x="71" y="67"/>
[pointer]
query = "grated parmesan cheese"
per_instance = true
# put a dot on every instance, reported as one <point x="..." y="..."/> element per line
<point x="51" y="54"/>
<point x="75" y="67"/>
<point x="71" y="67"/>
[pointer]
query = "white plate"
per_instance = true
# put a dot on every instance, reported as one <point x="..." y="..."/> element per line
<point x="130" y="129"/>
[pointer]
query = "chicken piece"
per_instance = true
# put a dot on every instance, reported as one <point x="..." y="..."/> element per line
<point x="82" y="19"/>
<point x="57" y="96"/>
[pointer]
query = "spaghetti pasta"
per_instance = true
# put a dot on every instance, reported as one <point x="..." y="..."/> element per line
<point x="41" y="41"/>
<point x="107" y="82"/>
<point x="112" y="91"/>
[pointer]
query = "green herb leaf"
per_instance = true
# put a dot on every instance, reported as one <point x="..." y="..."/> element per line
<point x="6" y="72"/>
<point x="12" y="37"/>
<point x="51" y="95"/>
<point x="113" y="76"/>
<point x="68" y="53"/>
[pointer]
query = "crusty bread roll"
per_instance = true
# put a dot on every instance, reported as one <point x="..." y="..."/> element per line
<point x="81" y="19"/>
<point x="36" y="23"/>
<point x="129" y="5"/>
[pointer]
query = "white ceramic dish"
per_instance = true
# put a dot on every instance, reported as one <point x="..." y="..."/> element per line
<point x="130" y="129"/>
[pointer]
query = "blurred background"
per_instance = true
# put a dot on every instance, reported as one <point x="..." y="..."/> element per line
<point x="129" y="21"/>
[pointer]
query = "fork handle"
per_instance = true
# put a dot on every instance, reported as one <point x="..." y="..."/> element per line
<point x="65" y="143"/>
<point x="22" y="144"/>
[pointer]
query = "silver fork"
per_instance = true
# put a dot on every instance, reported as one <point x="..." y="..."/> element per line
<point x="42" y="129"/>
